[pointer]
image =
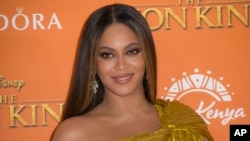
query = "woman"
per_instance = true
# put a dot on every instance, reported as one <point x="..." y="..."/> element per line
<point x="113" y="90"/>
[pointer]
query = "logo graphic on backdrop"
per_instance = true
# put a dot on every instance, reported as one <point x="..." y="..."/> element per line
<point x="212" y="92"/>
<point x="204" y="13"/>
<point x="27" y="113"/>
<point x="36" y="21"/>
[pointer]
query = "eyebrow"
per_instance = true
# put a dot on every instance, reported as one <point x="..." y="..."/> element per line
<point x="127" y="46"/>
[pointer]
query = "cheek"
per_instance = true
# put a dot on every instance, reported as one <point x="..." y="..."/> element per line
<point x="103" y="67"/>
<point x="139" y="63"/>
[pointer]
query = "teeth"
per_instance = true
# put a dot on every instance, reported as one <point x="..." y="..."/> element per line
<point x="124" y="78"/>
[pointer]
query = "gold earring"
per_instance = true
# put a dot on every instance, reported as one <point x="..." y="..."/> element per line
<point x="94" y="86"/>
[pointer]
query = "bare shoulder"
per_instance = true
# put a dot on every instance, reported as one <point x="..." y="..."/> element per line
<point x="75" y="128"/>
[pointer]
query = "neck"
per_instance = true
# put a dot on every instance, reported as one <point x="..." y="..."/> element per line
<point x="125" y="104"/>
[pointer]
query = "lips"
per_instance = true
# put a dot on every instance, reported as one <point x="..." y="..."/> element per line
<point x="123" y="78"/>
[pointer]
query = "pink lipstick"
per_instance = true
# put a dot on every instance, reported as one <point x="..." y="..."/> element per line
<point x="122" y="79"/>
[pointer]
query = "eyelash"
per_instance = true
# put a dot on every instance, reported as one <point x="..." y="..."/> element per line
<point x="133" y="51"/>
<point x="108" y="55"/>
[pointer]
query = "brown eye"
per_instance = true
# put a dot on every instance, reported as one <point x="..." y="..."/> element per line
<point x="106" y="55"/>
<point x="133" y="51"/>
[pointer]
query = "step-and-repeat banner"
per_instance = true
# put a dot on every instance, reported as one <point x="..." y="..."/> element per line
<point x="202" y="47"/>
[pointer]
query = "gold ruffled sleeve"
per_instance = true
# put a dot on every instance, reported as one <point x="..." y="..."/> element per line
<point x="179" y="123"/>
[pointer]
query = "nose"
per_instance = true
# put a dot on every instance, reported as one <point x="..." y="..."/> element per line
<point x="121" y="63"/>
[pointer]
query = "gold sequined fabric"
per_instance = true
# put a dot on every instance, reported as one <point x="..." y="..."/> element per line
<point x="178" y="123"/>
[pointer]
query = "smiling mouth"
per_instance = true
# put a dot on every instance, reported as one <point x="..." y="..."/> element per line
<point x="122" y="79"/>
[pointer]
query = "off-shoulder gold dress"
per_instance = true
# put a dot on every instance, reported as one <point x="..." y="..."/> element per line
<point x="178" y="123"/>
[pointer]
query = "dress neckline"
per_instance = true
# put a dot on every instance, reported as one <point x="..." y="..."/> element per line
<point x="158" y="106"/>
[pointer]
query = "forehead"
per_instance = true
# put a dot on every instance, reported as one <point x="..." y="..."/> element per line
<point x="118" y="35"/>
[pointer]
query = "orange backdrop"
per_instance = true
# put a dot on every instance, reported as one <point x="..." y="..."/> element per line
<point x="202" y="49"/>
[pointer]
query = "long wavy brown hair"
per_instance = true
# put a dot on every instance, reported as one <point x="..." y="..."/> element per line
<point x="81" y="98"/>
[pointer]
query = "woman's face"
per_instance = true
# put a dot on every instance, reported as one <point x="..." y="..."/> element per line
<point x="120" y="61"/>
